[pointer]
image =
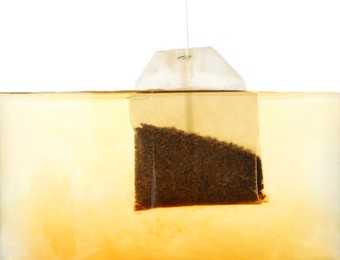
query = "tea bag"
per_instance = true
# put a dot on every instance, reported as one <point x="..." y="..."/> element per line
<point x="196" y="133"/>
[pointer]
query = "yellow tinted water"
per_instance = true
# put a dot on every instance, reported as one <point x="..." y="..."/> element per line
<point x="67" y="184"/>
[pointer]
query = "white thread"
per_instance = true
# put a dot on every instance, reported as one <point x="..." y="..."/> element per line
<point x="187" y="27"/>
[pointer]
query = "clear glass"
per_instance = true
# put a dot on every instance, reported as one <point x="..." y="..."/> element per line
<point x="67" y="181"/>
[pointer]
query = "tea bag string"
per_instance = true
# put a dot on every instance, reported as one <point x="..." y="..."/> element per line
<point x="187" y="49"/>
<point x="187" y="54"/>
<point x="188" y="99"/>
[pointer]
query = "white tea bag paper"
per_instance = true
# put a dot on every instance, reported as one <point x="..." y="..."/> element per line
<point x="204" y="69"/>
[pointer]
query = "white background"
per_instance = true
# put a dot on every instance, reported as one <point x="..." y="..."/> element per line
<point x="72" y="45"/>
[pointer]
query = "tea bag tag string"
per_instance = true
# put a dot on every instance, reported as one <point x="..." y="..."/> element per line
<point x="187" y="50"/>
<point x="187" y="28"/>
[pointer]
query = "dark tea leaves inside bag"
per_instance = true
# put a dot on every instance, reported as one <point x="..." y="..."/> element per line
<point x="175" y="168"/>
